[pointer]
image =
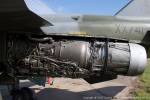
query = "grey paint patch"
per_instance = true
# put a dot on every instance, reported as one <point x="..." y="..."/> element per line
<point x="136" y="8"/>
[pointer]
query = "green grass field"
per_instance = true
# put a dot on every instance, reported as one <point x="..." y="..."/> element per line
<point x="143" y="91"/>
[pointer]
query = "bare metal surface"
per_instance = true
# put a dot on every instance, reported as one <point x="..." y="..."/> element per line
<point x="138" y="59"/>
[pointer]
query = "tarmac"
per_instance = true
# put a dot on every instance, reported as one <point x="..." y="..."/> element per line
<point x="79" y="89"/>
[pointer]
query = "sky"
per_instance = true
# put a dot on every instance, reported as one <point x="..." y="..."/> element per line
<point x="99" y="7"/>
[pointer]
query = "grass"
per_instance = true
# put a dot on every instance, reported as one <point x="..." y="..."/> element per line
<point x="143" y="91"/>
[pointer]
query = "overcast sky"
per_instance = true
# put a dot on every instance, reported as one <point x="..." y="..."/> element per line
<point x="100" y="7"/>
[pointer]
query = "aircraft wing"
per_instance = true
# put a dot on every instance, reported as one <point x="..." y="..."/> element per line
<point x="14" y="14"/>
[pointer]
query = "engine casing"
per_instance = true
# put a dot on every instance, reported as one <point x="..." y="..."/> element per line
<point x="121" y="58"/>
<point x="76" y="58"/>
<point x="138" y="59"/>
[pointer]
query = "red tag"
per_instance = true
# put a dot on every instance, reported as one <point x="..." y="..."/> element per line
<point x="50" y="80"/>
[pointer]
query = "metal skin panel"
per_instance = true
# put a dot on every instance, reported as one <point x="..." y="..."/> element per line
<point x="100" y="27"/>
<point x="131" y="23"/>
<point x="134" y="9"/>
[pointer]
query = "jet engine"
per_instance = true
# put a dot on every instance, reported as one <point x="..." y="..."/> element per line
<point x="75" y="58"/>
<point x="121" y="58"/>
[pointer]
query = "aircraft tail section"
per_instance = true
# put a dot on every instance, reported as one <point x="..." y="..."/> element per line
<point x="135" y="8"/>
